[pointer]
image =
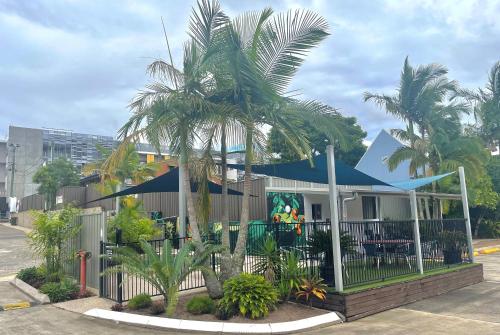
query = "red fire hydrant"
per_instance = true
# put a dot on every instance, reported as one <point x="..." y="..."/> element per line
<point x="83" y="255"/>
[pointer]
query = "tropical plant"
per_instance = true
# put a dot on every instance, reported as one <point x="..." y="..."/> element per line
<point x="421" y="93"/>
<point x="269" y="262"/>
<point x="140" y="301"/>
<point x="54" y="175"/>
<point x="232" y="69"/>
<point x="124" y="166"/>
<point x="309" y="288"/>
<point x="164" y="271"/>
<point x="200" y="305"/>
<point x="133" y="222"/>
<point x="64" y="290"/>
<point x="50" y="236"/>
<point x="291" y="275"/>
<point x="252" y="295"/>
<point x="320" y="242"/>
<point x="487" y="107"/>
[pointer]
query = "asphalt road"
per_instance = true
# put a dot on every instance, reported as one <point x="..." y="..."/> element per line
<point x="15" y="253"/>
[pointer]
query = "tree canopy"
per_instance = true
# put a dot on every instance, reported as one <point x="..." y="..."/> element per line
<point x="349" y="151"/>
<point x="54" y="175"/>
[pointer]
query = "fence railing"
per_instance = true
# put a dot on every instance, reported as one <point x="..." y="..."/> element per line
<point x="370" y="251"/>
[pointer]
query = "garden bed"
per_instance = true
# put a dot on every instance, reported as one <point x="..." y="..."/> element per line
<point x="356" y="303"/>
<point x="288" y="311"/>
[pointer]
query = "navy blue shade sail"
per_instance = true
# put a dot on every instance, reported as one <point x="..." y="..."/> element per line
<point x="167" y="182"/>
<point x="302" y="170"/>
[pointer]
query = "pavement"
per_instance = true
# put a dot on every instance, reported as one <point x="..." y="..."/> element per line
<point x="470" y="310"/>
<point x="15" y="253"/>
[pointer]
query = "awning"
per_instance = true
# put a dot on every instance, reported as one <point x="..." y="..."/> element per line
<point x="412" y="184"/>
<point x="167" y="182"/>
<point x="302" y="170"/>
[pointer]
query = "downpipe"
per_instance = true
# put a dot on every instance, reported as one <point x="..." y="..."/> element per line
<point x="344" y="211"/>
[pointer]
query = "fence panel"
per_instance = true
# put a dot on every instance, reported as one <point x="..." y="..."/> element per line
<point x="92" y="232"/>
<point x="444" y="243"/>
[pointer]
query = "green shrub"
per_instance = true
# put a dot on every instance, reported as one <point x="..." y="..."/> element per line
<point x="140" y="301"/>
<point x="489" y="229"/>
<point x="32" y="276"/>
<point x="224" y="311"/>
<point x="200" y="305"/>
<point x="133" y="221"/>
<point x="249" y="294"/>
<point x="158" y="307"/>
<point x="60" y="291"/>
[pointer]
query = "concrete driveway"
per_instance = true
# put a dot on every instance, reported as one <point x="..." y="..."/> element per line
<point x="15" y="253"/>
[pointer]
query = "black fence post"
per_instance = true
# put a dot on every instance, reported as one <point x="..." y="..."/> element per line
<point x="119" y="275"/>
<point x="277" y="234"/>
<point x="101" y="268"/>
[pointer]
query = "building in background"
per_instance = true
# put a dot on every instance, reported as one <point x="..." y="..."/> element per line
<point x="3" y="168"/>
<point x="27" y="149"/>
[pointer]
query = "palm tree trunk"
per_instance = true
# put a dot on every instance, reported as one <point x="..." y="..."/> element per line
<point x="240" y="249"/>
<point x="226" y="254"/>
<point x="213" y="285"/>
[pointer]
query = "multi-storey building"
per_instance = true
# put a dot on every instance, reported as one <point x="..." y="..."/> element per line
<point x="27" y="149"/>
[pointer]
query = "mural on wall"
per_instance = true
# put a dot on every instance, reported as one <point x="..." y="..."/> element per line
<point x="287" y="208"/>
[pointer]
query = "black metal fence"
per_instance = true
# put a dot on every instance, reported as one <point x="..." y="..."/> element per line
<point x="370" y="251"/>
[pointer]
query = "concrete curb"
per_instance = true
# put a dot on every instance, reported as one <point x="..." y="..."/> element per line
<point x="30" y="291"/>
<point x="487" y="250"/>
<point x="217" y="327"/>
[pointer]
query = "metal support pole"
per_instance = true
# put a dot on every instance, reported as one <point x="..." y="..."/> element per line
<point x="334" y="222"/>
<point x="117" y="199"/>
<point x="416" y="230"/>
<point x="119" y="275"/>
<point x="465" y="205"/>
<point x="182" y="204"/>
<point x="102" y="259"/>
<point x="13" y="168"/>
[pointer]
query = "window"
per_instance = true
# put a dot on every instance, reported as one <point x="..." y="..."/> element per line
<point x="369" y="207"/>
<point x="316" y="211"/>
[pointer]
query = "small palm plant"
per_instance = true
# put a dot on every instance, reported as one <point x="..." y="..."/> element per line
<point x="164" y="271"/>
<point x="269" y="262"/>
<point x="312" y="287"/>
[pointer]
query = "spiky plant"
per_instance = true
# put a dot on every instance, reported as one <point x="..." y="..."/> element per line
<point x="166" y="270"/>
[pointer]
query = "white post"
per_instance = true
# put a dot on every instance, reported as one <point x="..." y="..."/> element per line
<point x="182" y="204"/>
<point x="117" y="199"/>
<point x="334" y="219"/>
<point x="465" y="205"/>
<point x="416" y="230"/>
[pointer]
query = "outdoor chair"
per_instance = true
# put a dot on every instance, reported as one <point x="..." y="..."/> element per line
<point x="405" y="251"/>
<point x="287" y="242"/>
<point x="429" y="249"/>
<point x="372" y="250"/>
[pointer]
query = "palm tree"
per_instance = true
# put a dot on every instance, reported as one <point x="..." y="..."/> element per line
<point x="487" y="107"/>
<point x="420" y="92"/>
<point x="115" y="169"/>
<point x="166" y="270"/>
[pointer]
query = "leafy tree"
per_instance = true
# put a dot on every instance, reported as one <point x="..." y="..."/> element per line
<point x="350" y="153"/>
<point x="54" y="175"/>
<point x="51" y="233"/>
<point x="493" y="168"/>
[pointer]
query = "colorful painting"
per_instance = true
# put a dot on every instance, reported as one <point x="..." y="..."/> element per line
<point x="286" y="207"/>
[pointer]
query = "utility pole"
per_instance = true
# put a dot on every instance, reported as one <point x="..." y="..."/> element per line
<point x="13" y="167"/>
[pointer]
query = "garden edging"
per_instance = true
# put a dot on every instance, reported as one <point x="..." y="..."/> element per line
<point x="30" y="291"/>
<point x="217" y="327"/>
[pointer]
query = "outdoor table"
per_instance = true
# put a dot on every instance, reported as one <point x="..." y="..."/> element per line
<point x="384" y="243"/>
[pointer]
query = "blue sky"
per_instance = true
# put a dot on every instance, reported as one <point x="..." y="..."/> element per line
<point x="76" y="64"/>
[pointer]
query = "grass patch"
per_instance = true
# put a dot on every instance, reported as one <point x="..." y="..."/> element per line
<point x="402" y="279"/>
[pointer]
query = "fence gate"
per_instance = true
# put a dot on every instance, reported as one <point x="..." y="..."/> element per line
<point x="92" y="232"/>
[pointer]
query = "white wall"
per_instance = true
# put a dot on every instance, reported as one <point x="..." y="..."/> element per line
<point x="395" y="208"/>
<point x="310" y="199"/>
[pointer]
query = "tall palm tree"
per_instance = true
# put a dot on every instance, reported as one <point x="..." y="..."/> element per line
<point x="420" y="92"/>
<point x="487" y="107"/>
